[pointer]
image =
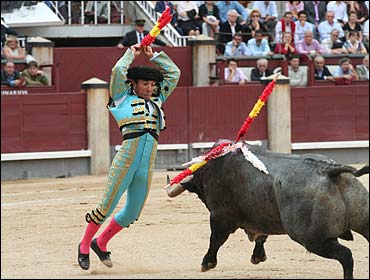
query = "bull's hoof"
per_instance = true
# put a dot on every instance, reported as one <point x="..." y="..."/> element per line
<point x="256" y="260"/>
<point x="207" y="266"/>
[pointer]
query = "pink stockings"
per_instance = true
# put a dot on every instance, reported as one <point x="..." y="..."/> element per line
<point x="112" y="229"/>
<point x="91" y="229"/>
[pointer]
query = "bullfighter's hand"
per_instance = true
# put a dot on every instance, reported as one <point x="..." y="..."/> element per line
<point x="136" y="49"/>
<point x="148" y="52"/>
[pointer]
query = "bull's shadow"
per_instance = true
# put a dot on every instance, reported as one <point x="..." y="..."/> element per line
<point x="310" y="197"/>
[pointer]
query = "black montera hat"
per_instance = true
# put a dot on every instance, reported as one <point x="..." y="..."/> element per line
<point x="145" y="73"/>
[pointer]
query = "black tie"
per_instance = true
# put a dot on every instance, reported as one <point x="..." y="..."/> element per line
<point x="140" y="37"/>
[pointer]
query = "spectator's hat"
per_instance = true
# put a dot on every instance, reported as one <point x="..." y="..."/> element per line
<point x="140" y="22"/>
<point x="212" y="18"/>
<point x="144" y="73"/>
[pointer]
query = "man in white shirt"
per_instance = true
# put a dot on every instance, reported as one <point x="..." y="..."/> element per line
<point x="297" y="75"/>
<point x="286" y="24"/>
<point x="339" y="8"/>
<point x="136" y="36"/>
<point x="333" y="45"/>
<point x="328" y="25"/>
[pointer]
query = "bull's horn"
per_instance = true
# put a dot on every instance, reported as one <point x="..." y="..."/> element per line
<point x="168" y="179"/>
<point x="175" y="190"/>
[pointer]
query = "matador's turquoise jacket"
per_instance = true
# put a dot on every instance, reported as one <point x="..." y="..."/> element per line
<point x="132" y="166"/>
<point x="130" y="111"/>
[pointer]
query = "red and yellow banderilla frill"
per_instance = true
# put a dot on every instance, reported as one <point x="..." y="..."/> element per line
<point x="226" y="147"/>
<point x="164" y="19"/>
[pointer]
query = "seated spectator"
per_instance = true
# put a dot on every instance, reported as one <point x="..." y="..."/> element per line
<point x="236" y="47"/>
<point x="12" y="50"/>
<point x="209" y="14"/>
<point x="101" y="11"/>
<point x="321" y="71"/>
<point x="286" y="47"/>
<point x="188" y="16"/>
<point x="353" y="45"/>
<point x="258" y="46"/>
<point x="228" y="29"/>
<point x="11" y="77"/>
<point x="233" y="74"/>
<point x="269" y="14"/>
<point x="5" y="31"/>
<point x="297" y="75"/>
<point x="286" y="24"/>
<point x="360" y="8"/>
<point x="294" y="7"/>
<point x="33" y="76"/>
<point x="261" y="70"/>
<point x="345" y="70"/>
<point x="136" y="36"/>
<point x="160" y="6"/>
<point x="309" y="45"/>
<point x="352" y="25"/>
<point x="302" y="25"/>
<point x="225" y="6"/>
<point x="255" y="23"/>
<point x="333" y="45"/>
<point x="363" y="69"/>
<point x="339" y="8"/>
<point x="326" y="27"/>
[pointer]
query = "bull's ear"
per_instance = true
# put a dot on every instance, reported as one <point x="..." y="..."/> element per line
<point x="168" y="179"/>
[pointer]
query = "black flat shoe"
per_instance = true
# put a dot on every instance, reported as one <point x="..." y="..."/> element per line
<point x="83" y="259"/>
<point x="103" y="256"/>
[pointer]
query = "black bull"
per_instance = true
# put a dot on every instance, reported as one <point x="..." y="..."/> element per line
<point x="309" y="197"/>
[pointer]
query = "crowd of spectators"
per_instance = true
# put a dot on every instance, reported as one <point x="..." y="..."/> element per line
<point x="251" y="29"/>
<point x="306" y="28"/>
<point x="222" y="19"/>
<point x="255" y="29"/>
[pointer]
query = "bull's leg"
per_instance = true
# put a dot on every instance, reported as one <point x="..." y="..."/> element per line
<point x="259" y="254"/>
<point x="220" y="231"/>
<point x="331" y="249"/>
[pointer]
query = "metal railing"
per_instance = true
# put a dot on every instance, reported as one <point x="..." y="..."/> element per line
<point x="73" y="12"/>
<point x="169" y="31"/>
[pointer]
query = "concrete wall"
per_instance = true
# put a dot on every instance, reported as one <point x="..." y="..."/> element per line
<point x="45" y="168"/>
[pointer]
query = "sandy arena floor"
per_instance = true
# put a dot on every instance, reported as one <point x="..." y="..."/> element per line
<point x="42" y="221"/>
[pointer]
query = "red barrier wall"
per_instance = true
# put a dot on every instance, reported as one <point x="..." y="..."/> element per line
<point x="43" y="122"/>
<point x="49" y="121"/>
<point x="219" y="112"/>
<point x="90" y="63"/>
<point x="326" y="113"/>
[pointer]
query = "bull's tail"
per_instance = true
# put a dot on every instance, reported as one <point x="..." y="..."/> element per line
<point x="362" y="171"/>
<point x="334" y="171"/>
